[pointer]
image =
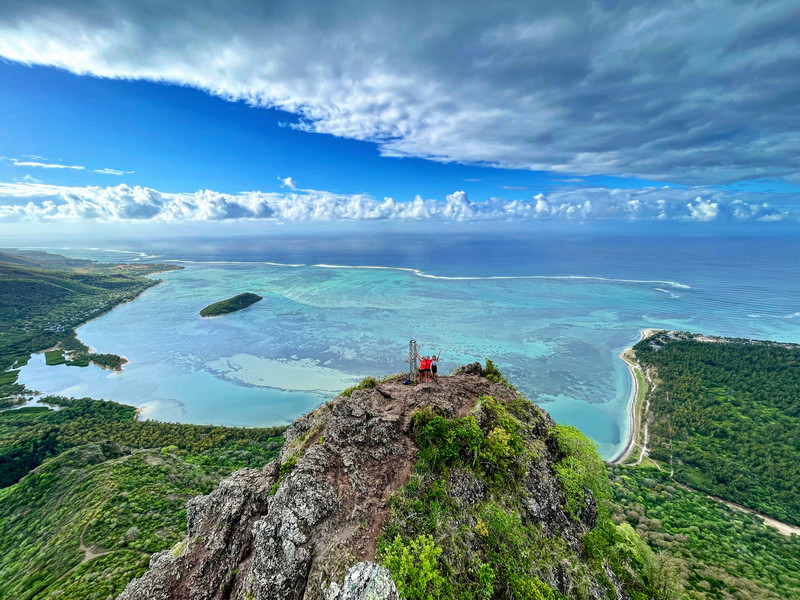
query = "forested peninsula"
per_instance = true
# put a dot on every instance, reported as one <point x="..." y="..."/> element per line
<point x="230" y="305"/>
<point x="715" y="416"/>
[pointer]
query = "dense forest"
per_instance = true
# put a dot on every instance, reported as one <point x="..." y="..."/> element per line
<point x="96" y="483"/>
<point x="726" y="414"/>
<point x="30" y="435"/>
<point x="718" y="552"/>
<point x="44" y="297"/>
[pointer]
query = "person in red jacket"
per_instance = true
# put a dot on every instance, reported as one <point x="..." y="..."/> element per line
<point x="424" y="368"/>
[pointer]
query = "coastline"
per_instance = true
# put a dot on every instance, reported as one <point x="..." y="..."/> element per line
<point x="162" y="268"/>
<point x="634" y="401"/>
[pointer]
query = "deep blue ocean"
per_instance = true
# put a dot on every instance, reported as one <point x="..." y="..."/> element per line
<point x="553" y="310"/>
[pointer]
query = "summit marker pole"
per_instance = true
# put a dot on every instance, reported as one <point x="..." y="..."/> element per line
<point x="412" y="360"/>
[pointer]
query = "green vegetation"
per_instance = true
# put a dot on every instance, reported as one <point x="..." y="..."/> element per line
<point x="721" y="411"/>
<point x="230" y="305"/>
<point x="29" y="435"/>
<point x="439" y="545"/>
<point x="726" y="414"/>
<point x="8" y="377"/>
<point x="581" y="472"/>
<point x="494" y="375"/>
<point x="44" y="297"/>
<point x="718" y="552"/>
<point x="365" y="384"/>
<point x="370" y="382"/>
<point x="54" y="357"/>
<point x="95" y="491"/>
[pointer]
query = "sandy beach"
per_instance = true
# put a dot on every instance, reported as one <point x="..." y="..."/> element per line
<point x="633" y="401"/>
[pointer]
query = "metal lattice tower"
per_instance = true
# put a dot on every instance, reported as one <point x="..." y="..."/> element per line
<point x="412" y="360"/>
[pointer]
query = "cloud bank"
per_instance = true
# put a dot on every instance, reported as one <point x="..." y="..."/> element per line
<point x="693" y="91"/>
<point x="28" y="202"/>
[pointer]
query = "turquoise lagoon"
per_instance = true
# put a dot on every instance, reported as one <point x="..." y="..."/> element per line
<point x="554" y="321"/>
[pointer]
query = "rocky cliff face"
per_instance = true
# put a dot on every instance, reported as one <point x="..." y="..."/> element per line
<point x="304" y="526"/>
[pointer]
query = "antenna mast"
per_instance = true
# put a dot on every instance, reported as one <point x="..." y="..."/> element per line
<point x="412" y="360"/>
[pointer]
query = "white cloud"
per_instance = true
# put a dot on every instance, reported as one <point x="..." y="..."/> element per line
<point x="288" y="182"/>
<point x="29" y="179"/>
<point x="703" y="210"/>
<point x="606" y="87"/>
<point x="40" y="165"/>
<point x="107" y="171"/>
<point x="42" y="203"/>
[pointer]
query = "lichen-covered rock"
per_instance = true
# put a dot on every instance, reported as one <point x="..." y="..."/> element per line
<point x="465" y="488"/>
<point x="364" y="581"/>
<point x="471" y="369"/>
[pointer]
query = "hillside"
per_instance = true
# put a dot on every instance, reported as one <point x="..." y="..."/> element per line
<point x="461" y="489"/>
<point x="230" y="305"/>
<point x="716" y="551"/>
<point x="104" y="492"/>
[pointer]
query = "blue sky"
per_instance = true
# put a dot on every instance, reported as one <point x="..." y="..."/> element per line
<point x="179" y="139"/>
<point x="294" y="112"/>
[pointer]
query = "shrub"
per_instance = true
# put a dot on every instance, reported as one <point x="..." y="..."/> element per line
<point x="290" y="464"/>
<point x="442" y="442"/>
<point x="365" y="384"/>
<point x="414" y="567"/>
<point x="492" y="372"/>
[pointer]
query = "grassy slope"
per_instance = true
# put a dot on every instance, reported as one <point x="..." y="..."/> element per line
<point x="133" y="505"/>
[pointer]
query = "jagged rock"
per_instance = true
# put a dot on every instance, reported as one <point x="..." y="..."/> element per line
<point x="470" y="369"/>
<point x="304" y="525"/>
<point x="364" y="581"/>
<point x="219" y="536"/>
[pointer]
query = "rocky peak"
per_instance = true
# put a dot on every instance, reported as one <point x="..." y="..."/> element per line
<point x="306" y="526"/>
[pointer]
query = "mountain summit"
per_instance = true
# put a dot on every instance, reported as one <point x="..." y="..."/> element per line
<point x="460" y="488"/>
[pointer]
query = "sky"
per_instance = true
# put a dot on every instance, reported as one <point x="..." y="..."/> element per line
<point x="680" y="111"/>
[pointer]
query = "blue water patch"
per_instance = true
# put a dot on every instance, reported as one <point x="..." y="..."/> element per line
<point x="553" y="312"/>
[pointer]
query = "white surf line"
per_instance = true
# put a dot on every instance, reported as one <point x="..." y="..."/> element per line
<point x="421" y="273"/>
<point x="231" y="262"/>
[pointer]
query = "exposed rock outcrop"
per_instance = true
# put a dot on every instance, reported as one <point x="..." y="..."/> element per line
<point x="305" y="526"/>
<point x="364" y="581"/>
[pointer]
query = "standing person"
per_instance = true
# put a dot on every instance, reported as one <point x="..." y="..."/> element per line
<point x="434" y="365"/>
<point x="424" y="368"/>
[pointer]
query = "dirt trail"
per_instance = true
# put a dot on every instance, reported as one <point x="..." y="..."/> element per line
<point x="88" y="552"/>
<point x="783" y="528"/>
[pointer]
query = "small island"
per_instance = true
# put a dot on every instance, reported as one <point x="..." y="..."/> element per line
<point x="230" y="305"/>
